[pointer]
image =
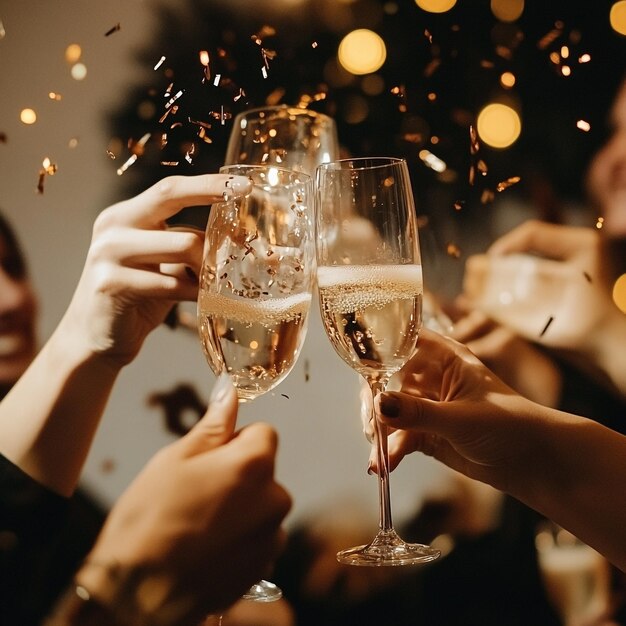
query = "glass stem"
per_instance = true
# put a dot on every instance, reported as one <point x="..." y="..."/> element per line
<point x="382" y="457"/>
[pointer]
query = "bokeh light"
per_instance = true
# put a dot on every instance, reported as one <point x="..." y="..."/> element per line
<point x="507" y="10"/>
<point x="507" y="79"/>
<point x="28" y="116"/>
<point x="617" y="17"/>
<point x="362" y="51"/>
<point x="619" y="293"/>
<point x="498" y="125"/>
<point x="73" y="53"/>
<point x="78" y="71"/>
<point x="435" y="6"/>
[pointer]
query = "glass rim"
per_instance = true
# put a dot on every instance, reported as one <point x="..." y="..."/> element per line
<point x="305" y="178"/>
<point x="284" y="107"/>
<point x="383" y="161"/>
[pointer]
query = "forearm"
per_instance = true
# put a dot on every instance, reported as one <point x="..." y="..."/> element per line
<point x="577" y="480"/>
<point x="49" y="418"/>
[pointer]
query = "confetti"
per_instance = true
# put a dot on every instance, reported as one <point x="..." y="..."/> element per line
<point x="545" y="328"/>
<point x="112" y="30"/>
<point x="453" y="250"/>
<point x="505" y="184"/>
<point x="48" y="169"/>
<point x="159" y="63"/>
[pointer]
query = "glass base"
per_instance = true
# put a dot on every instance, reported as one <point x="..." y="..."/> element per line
<point x="263" y="591"/>
<point x="388" y="549"/>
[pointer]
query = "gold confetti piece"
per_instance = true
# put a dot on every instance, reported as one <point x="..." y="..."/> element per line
<point x="130" y="161"/>
<point x="112" y="30"/>
<point x="474" y="142"/>
<point x="55" y="96"/>
<point x="459" y="204"/>
<point x="486" y="196"/>
<point x="173" y="99"/>
<point x="431" y="68"/>
<point x="599" y="223"/>
<point x="453" y="250"/>
<point x="551" y="36"/>
<point x="505" y="184"/>
<point x="110" y="155"/>
<point x="48" y="169"/>
<point x="545" y="328"/>
<point x="583" y="125"/>
<point x="584" y="58"/>
<point x="159" y="63"/>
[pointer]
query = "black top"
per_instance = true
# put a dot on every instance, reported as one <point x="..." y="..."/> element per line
<point x="43" y="539"/>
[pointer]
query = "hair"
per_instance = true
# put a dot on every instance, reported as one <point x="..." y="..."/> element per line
<point x="14" y="262"/>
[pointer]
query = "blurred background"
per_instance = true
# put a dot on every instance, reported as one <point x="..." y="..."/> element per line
<point x="497" y="105"/>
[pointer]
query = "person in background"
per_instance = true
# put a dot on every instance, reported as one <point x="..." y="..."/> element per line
<point x="136" y="269"/>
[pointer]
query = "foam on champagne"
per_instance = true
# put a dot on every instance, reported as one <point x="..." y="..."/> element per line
<point x="255" y="311"/>
<point x="349" y="288"/>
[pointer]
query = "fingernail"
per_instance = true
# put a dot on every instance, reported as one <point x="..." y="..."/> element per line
<point x="222" y="386"/>
<point x="237" y="186"/>
<point x="389" y="406"/>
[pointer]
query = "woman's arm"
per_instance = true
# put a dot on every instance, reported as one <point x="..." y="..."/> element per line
<point x="567" y="467"/>
<point x="135" y="270"/>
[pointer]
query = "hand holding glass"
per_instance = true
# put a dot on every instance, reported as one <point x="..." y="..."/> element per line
<point x="256" y="282"/>
<point x="370" y="286"/>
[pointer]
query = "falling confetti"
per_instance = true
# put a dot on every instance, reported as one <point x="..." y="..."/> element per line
<point x="545" y="328"/>
<point x="48" y="169"/>
<point x="112" y="30"/>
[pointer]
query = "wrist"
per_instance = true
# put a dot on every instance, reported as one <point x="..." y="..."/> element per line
<point x="115" y="594"/>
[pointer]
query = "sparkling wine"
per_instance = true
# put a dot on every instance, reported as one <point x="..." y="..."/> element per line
<point x="372" y="314"/>
<point x="256" y="341"/>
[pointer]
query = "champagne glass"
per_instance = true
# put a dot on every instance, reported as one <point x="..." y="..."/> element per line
<point x="369" y="278"/>
<point x="576" y="577"/>
<point x="256" y="282"/>
<point x="292" y="137"/>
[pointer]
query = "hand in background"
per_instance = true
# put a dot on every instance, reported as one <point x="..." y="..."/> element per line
<point x="515" y="360"/>
<point x="549" y="284"/>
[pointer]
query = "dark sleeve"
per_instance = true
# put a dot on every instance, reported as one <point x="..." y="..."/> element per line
<point x="31" y="517"/>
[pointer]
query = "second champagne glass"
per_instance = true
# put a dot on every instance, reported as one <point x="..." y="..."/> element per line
<point x="370" y="286"/>
<point x="286" y="136"/>
<point x="256" y="282"/>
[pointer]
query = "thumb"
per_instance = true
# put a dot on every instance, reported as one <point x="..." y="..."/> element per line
<point x="217" y="426"/>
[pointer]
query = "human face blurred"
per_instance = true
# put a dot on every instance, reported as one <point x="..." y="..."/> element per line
<point x="18" y="310"/>
<point x="606" y="178"/>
